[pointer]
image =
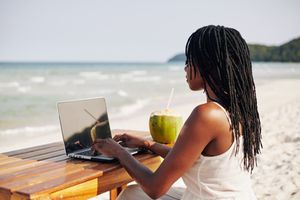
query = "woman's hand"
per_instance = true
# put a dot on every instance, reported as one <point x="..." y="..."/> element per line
<point x="127" y="140"/>
<point x="108" y="147"/>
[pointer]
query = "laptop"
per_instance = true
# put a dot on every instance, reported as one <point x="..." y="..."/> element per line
<point x="82" y="121"/>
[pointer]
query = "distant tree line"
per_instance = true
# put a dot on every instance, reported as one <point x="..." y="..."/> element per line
<point x="288" y="52"/>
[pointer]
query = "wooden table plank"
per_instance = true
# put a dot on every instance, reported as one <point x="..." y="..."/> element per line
<point x="45" y="188"/>
<point x="113" y="175"/>
<point x="30" y="149"/>
<point x="46" y="172"/>
<point x="4" y="195"/>
<point x="8" y="160"/>
<point x="2" y="156"/>
<point x="21" y="174"/>
<point x="43" y="177"/>
<point x="80" y="191"/>
<point x="15" y="163"/>
<point x="33" y="154"/>
<point x="58" y="158"/>
<point x="15" y="169"/>
<point x="48" y="155"/>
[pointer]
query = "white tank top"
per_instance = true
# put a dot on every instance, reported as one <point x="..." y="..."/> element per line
<point x="219" y="177"/>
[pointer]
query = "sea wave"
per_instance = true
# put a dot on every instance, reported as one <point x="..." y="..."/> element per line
<point x="9" y="84"/>
<point x="58" y="83"/>
<point x="16" y="85"/>
<point x="138" y="72"/>
<point x="100" y="92"/>
<point x="78" y="82"/>
<point x="37" y="79"/>
<point x="131" y="108"/>
<point x="94" y="75"/>
<point x="30" y="130"/>
<point x="173" y="81"/>
<point x="122" y="93"/>
<point x="132" y="74"/>
<point x="24" y="89"/>
<point x="175" y="68"/>
<point x="146" y="79"/>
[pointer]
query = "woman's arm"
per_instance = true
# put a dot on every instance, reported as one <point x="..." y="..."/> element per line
<point x="158" y="148"/>
<point x="141" y="143"/>
<point x="196" y="133"/>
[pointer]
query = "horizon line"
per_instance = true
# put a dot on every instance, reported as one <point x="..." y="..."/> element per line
<point x="78" y="62"/>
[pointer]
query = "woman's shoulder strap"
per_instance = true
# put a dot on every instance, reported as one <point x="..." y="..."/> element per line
<point x="225" y="111"/>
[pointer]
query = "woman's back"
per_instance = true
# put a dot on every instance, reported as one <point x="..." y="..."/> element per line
<point x="221" y="176"/>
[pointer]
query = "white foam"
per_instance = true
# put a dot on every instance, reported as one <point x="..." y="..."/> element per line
<point x="147" y="79"/>
<point x="122" y="93"/>
<point x="30" y="130"/>
<point x="58" y="83"/>
<point x="138" y="72"/>
<point x="105" y="91"/>
<point x="132" y="74"/>
<point x="37" y="79"/>
<point x="16" y="85"/>
<point x="24" y="89"/>
<point x="78" y="82"/>
<point x="94" y="75"/>
<point x="132" y="108"/>
<point x="176" y="81"/>
<point x="9" y="84"/>
<point x="175" y="68"/>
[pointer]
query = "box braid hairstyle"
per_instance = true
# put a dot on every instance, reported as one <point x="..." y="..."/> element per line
<point x="222" y="57"/>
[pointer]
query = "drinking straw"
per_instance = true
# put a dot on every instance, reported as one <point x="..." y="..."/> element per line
<point x="170" y="97"/>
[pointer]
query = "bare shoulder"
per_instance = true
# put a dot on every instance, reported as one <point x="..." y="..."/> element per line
<point x="209" y="112"/>
<point x="210" y="117"/>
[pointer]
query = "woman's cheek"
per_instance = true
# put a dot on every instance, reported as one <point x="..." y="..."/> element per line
<point x="196" y="85"/>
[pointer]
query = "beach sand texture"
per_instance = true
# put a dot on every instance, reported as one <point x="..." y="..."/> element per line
<point x="277" y="176"/>
<point x="278" y="173"/>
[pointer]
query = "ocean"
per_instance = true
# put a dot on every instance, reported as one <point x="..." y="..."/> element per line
<point x="30" y="91"/>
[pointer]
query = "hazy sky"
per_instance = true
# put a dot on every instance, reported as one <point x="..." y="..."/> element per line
<point x="132" y="30"/>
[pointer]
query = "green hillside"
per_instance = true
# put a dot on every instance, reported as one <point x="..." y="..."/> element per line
<point x="288" y="52"/>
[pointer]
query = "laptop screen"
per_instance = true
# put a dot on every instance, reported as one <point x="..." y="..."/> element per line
<point x="82" y="121"/>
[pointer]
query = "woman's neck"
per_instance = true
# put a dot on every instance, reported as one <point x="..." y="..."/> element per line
<point x="210" y="95"/>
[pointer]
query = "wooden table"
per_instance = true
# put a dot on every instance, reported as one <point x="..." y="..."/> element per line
<point x="45" y="172"/>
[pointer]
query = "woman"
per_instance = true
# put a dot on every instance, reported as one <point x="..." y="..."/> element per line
<point x="218" y="144"/>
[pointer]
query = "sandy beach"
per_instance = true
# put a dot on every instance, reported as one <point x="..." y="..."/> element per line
<point x="277" y="175"/>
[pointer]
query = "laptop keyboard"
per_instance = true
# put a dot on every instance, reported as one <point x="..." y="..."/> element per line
<point x="88" y="153"/>
<point x="91" y="153"/>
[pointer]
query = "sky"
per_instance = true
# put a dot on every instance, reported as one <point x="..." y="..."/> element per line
<point x="132" y="30"/>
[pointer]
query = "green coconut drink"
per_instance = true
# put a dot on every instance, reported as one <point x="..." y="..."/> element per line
<point x="165" y="126"/>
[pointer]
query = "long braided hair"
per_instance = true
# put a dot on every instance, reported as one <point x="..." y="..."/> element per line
<point x="222" y="57"/>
